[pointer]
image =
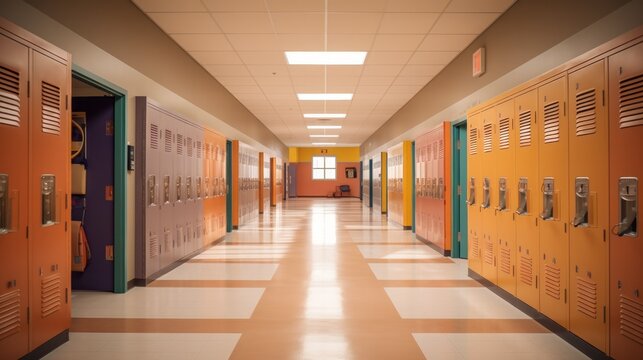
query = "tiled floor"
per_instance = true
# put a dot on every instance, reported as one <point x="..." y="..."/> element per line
<point x="315" y="279"/>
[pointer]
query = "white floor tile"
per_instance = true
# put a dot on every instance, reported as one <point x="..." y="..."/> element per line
<point x="398" y="252"/>
<point x="219" y="271"/>
<point x="420" y="271"/>
<point x="168" y="303"/>
<point x="451" y="303"/>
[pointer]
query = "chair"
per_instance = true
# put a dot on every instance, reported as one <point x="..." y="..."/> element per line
<point x="342" y="189"/>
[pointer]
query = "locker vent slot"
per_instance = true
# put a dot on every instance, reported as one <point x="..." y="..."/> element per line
<point x="631" y="319"/>
<point x="168" y="140"/>
<point x="475" y="247"/>
<point x="9" y="97"/>
<point x="9" y="313"/>
<point x="552" y="122"/>
<point x="526" y="270"/>
<point x="586" y="112"/>
<point x="505" y="260"/>
<point x="552" y="281"/>
<point x="189" y="145"/>
<point x="50" y="108"/>
<point x="525" y="128"/>
<point x="631" y="101"/>
<point x="488" y="252"/>
<point x="51" y="294"/>
<point x="435" y="152"/>
<point x="473" y="141"/>
<point x="487" y="137"/>
<point x="153" y="246"/>
<point x="207" y="151"/>
<point x="504" y="133"/>
<point x="199" y="149"/>
<point x="587" y="300"/>
<point x="441" y="147"/>
<point x="179" y="144"/>
<point x="154" y="136"/>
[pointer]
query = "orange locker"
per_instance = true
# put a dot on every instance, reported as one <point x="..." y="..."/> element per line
<point x="400" y="184"/>
<point x="214" y="202"/>
<point x="488" y="197"/>
<point x="505" y="193"/>
<point x="626" y="174"/>
<point x="527" y="199"/>
<point x="14" y="180"/>
<point x="262" y="172"/>
<point x="277" y="176"/>
<point x="588" y="201"/>
<point x="474" y="192"/>
<point x="553" y="183"/>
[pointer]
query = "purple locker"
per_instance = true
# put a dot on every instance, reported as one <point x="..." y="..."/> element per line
<point x="180" y="200"/>
<point x="166" y="192"/>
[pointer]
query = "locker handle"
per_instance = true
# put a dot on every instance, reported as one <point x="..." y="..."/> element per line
<point x="628" y="212"/>
<point x="581" y="218"/>
<point x="5" y="206"/>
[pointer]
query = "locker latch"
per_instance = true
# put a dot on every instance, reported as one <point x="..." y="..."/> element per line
<point x="166" y="189"/>
<point x="502" y="194"/>
<point x="628" y="206"/>
<point x="4" y="204"/>
<point x="472" y="191"/>
<point x="486" y="198"/>
<point x="522" y="196"/>
<point x="581" y="217"/>
<point x="548" y="199"/>
<point x="151" y="190"/>
<point x="48" y="199"/>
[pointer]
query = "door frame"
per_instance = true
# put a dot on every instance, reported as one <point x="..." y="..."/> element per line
<point x="120" y="170"/>
<point x="413" y="186"/>
<point x="456" y="177"/>
<point x="228" y="181"/>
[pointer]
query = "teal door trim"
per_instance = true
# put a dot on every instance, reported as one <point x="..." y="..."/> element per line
<point x="228" y="181"/>
<point x="459" y="175"/>
<point x="120" y="171"/>
<point x="413" y="185"/>
<point x="370" y="183"/>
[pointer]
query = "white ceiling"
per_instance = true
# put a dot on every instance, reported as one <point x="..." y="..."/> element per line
<point x="242" y="43"/>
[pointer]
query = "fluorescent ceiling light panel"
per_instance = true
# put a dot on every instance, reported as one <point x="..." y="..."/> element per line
<point x="322" y="127"/>
<point x="324" y="143"/>
<point x="335" y="96"/>
<point x="324" y="116"/>
<point x="323" y="136"/>
<point x="326" y="57"/>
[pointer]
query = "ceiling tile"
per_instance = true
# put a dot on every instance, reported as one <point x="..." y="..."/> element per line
<point x="421" y="70"/>
<point x="263" y="57"/>
<point x="234" y="6"/>
<point x="244" y="23"/>
<point x="236" y="80"/>
<point x="433" y="57"/>
<point x="407" y="23"/>
<point x="357" y="5"/>
<point x="185" y="23"/>
<point x="385" y="42"/>
<point x="216" y="57"/>
<point x="243" y="89"/>
<point x="412" y="80"/>
<point x="202" y="42"/>
<point x="301" y="42"/>
<point x="272" y="81"/>
<point x="345" y="81"/>
<point x="278" y="90"/>
<point x="350" y="42"/>
<point x="479" y="6"/>
<point x="353" y="23"/>
<point x="294" y="5"/>
<point x="298" y="23"/>
<point x="388" y="57"/>
<point x="446" y="42"/>
<point x="254" y="42"/>
<point x="306" y="71"/>
<point x="404" y="89"/>
<point x="268" y="70"/>
<point x="169" y="5"/>
<point x="371" y="89"/>
<point x="344" y="71"/>
<point x="463" y="23"/>
<point x="227" y="70"/>
<point x="376" y="80"/>
<point x="381" y="70"/>
<point x="417" y="5"/>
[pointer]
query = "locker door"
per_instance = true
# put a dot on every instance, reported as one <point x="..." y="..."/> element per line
<point x="474" y="193"/>
<point x="49" y="238"/>
<point x="153" y="182"/>
<point x="626" y="174"/>
<point x="588" y="201"/>
<point x="553" y="183"/>
<point x="198" y="191"/>
<point x="527" y="195"/>
<point x="261" y="182"/>
<point x="377" y="190"/>
<point x="167" y="186"/>
<point x="175" y="243"/>
<point x="488" y="197"/>
<point x="14" y="180"/>
<point x="506" y="192"/>
<point x="189" y="193"/>
<point x="384" y="182"/>
<point x="236" y="193"/>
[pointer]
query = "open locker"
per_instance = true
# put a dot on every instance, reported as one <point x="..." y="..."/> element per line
<point x="506" y="194"/>
<point x="626" y="174"/>
<point x="489" y="197"/>
<point x="526" y="193"/>
<point x="553" y="222"/>
<point x="474" y="193"/>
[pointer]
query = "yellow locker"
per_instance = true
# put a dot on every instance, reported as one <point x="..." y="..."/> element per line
<point x="589" y="217"/>
<point x="488" y="198"/>
<point x="506" y="194"/>
<point x="474" y="194"/>
<point x="527" y="198"/>
<point x="553" y="183"/>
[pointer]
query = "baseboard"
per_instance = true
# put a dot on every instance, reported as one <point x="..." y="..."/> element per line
<point x="580" y="344"/>
<point x="407" y="227"/>
<point x="433" y="246"/>
<point x="48" y="346"/>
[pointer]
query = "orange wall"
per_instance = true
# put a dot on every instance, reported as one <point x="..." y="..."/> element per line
<point x="306" y="186"/>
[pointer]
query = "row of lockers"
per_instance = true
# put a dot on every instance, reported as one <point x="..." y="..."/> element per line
<point x="399" y="184"/>
<point x="181" y="197"/>
<point x="35" y="188"/>
<point x="245" y="197"/>
<point x="553" y="171"/>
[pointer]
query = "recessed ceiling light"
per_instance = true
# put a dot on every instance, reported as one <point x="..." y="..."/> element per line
<point x="324" y="116"/>
<point x="336" y="96"/>
<point x="321" y="127"/>
<point x="323" y="143"/>
<point x="325" y="57"/>
<point x="323" y="136"/>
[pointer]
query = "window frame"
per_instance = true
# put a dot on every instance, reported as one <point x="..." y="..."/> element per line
<point x="313" y="168"/>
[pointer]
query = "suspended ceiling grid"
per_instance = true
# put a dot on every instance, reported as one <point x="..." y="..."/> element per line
<point x="242" y="43"/>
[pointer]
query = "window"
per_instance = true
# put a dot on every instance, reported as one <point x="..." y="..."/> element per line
<point x="324" y="168"/>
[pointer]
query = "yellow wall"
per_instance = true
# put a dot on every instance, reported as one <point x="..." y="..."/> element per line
<point x="343" y="154"/>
